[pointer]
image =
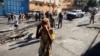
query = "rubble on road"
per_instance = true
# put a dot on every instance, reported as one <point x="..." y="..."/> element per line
<point x="11" y="35"/>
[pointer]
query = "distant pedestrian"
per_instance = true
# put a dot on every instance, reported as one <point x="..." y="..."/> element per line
<point x="36" y="17"/>
<point x="9" y="19"/>
<point x="16" y="24"/>
<point x="19" y="18"/>
<point x="47" y="14"/>
<point x="52" y="21"/>
<point x="23" y="18"/>
<point x="12" y="16"/>
<point x="92" y="17"/>
<point x="39" y="16"/>
<point x="46" y="33"/>
<point x="42" y="16"/>
<point x="60" y="17"/>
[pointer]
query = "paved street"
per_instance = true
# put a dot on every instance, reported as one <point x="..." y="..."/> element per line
<point x="73" y="39"/>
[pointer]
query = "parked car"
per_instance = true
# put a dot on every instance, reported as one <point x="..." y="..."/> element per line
<point x="65" y="15"/>
<point x="75" y="14"/>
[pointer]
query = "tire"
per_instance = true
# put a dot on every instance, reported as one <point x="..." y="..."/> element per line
<point x="82" y="15"/>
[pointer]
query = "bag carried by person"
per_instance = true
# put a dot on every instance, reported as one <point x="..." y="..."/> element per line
<point x="52" y="34"/>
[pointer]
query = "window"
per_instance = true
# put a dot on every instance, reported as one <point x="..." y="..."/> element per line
<point x="36" y="3"/>
<point x="41" y="4"/>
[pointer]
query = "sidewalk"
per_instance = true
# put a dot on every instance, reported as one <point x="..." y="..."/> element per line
<point x="85" y="21"/>
<point x="95" y="25"/>
<point x="4" y="26"/>
<point x="9" y="29"/>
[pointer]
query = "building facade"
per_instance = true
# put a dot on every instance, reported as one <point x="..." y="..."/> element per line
<point x="80" y="3"/>
<point x="50" y="5"/>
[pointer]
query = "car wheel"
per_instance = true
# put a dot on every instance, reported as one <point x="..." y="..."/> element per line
<point x="82" y="15"/>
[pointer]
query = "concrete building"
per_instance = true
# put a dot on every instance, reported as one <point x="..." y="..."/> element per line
<point x="50" y="5"/>
<point x="80" y="3"/>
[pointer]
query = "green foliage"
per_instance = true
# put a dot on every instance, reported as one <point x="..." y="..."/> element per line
<point x="92" y="3"/>
<point x="1" y="0"/>
<point x="99" y="2"/>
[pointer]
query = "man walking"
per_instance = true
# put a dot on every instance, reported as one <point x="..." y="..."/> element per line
<point x="92" y="17"/>
<point x="52" y="21"/>
<point x="9" y="19"/>
<point x="60" y="17"/>
<point x="12" y="16"/>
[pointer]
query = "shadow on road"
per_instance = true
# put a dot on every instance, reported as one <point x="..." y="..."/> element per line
<point x="70" y="19"/>
<point x="5" y="31"/>
<point x="29" y="22"/>
<point x="93" y="51"/>
<point x="3" y="23"/>
<point x="82" y="25"/>
<point x="28" y="41"/>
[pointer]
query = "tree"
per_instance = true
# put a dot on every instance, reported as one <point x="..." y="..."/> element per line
<point x="92" y="3"/>
<point x="1" y="0"/>
<point x="99" y="2"/>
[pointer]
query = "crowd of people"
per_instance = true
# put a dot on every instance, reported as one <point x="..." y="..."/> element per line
<point x="46" y="33"/>
<point x="21" y="18"/>
<point x="44" y="29"/>
<point x="16" y="20"/>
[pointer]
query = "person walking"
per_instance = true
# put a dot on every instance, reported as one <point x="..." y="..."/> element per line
<point x="9" y="19"/>
<point x="52" y="21"/>
<point x="60" y="17"/>
<point x="47" y="14"/>
<point x="92" y="17"/>
<point x="12" y="16"/>
<point x="16" y="24"/>
<point x="36" y="17"/>
<point x="19" y="18"/>
<point x="39" y="16"/>
<point x="23" y="18"/>
<point x="46" y="33"/>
